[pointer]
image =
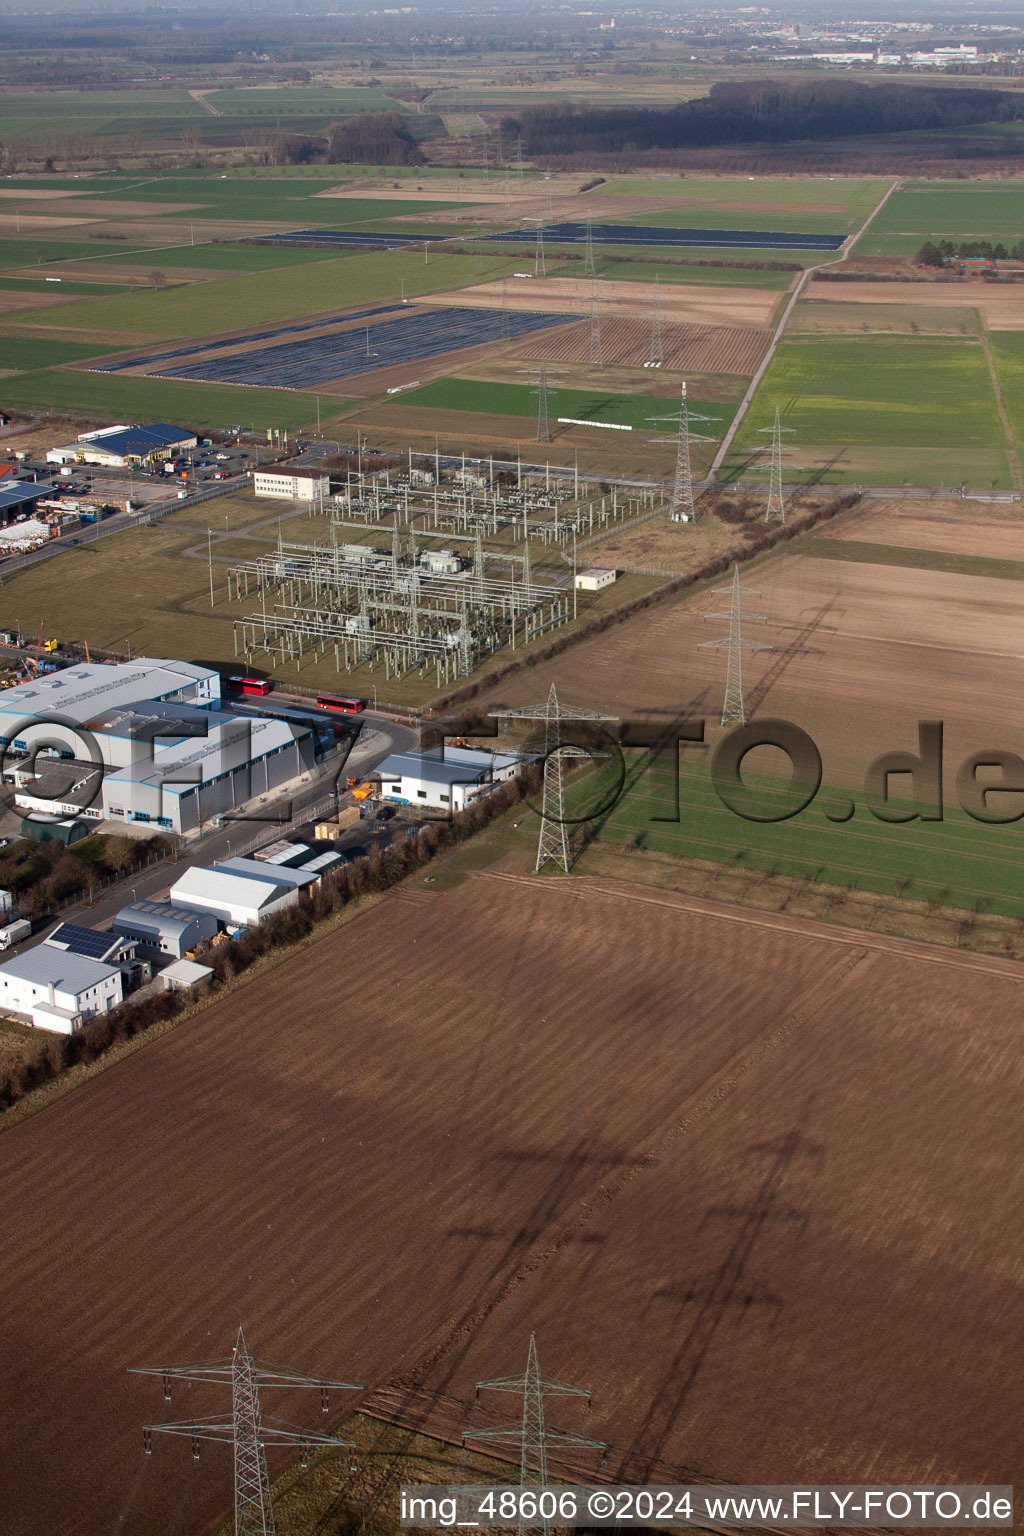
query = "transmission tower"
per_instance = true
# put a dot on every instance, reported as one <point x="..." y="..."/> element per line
<point x="506" y="330"/>
<point x="656" y="354"/>
<point x="596" y="354"/>
<point x="553" y="842"/>
<point x="776" y="509"/>
<point x="539" y="267"/>
<point x="734" y="709"/>
<point x="517" y="159"/>
<point x="681" y="507"/>
<point x="531" y="1435"/>
<point x="244" y="1428"/>
<point x="588" y="260"/>
<point x="543" y="425"/>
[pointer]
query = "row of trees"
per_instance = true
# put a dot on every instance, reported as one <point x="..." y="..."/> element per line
<point x="767" y="111"/>
<point x="936" y="253"/>
<point x="41" y="875"/>
<point x="380" y="870"/>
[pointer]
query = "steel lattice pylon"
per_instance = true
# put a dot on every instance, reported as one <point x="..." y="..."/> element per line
<point x="554" y="842"/>
<point x="532" y="1436"/>
<point x="588" y="260"/>
<point x="681" y="507"/>
<point x="776" y="509"/>
<point x="734" y="709"/>
<point x="244" y="1428"/>
<point x="656" y="354"/>
<point x="596" y="353"/>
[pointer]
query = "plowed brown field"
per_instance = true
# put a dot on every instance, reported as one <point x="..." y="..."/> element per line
<point x="860" y="652"/>
<point x="755" y="1182"/>
<point x="627" y="344"/>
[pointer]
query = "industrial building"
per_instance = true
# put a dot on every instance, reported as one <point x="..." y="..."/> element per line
<point x="18" y="496"/>
<point x="161" y="930"/>
<point x="232" y="897"/>
<point x="292" y="482"/>
<point x="58" y="989"/>
<point x="444" y="781"/>
<point x="94" y="943"/>
<point x="595" y="578"/>
<point x="119" y="447"/>
<point x="144" y="743"/>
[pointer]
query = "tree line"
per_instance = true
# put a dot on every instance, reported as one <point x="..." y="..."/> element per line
<point x="765" y="111"/>
<point x="936" y="253"/>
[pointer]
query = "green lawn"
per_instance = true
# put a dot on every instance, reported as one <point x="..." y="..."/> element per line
<point x="332" y="284"/>
<point x="495" y="399"/>
<point x="957" y="861"/>
<point x="933" y="210"/>
<point x="178" y="400"/>
<point x="873" y="394"/>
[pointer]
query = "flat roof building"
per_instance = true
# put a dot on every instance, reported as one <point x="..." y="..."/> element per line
<point x="17" y="496"/>
<point x="293" y="482"/>
<point x="56" y="989"/>
<point x="144" y="743"/>
<point x="448" y="781"/>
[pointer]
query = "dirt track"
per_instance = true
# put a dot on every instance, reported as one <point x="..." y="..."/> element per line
<point x="610" y="1115"/>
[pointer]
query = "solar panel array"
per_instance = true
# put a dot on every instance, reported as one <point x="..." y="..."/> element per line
<point x="83" y="941"/>
<point x="234" y="341"/>
<point x="408" y="338"/>
<point x="651" y="234"/>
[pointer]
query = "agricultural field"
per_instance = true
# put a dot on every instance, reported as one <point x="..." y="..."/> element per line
<point x="936" y="210"/>
<point x="481" y="397"/>
<point x="402" y="1231"/>
<point x="869" y="410"/>
<point x="330" y="284"/>
<point x="867" y="636"/>
<point x="645" y="271"/>
<point x="219" y="406"/>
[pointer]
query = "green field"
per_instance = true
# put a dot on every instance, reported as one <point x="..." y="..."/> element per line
<point x="935" y="210"/>
<point x="30" y="353"/>
<point x="1008" y="355"/>
<point x="956" y="862"/>
<point x="885" y="398"/>
<point x="714" y="277"/>
<point x="179" y="400"/>
<point x="477" y="396"/>
<point x="31" y="285"/>
<point x="848" y="199"/>
<point x="211" y="308"/>
<point x="26" y="252"/>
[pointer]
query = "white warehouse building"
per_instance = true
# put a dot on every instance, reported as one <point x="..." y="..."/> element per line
<point x="57" y="989"/>
<point x="144" y="744"/>
<point x="231" y="896"/>
<point x="446" y="781"/>
<point x="292" y="482"/>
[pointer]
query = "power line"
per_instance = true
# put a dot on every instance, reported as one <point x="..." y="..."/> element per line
<point x="553" y="844"/>
<point x="244" y="1428"/>
<point x="656" y="351"/>
<point x="588" y="260"/>
<point x="734" y="709"/>
<point x="682" y="508"/>
<point x="776" y="510"/>
<point x="531" y="1436"/>
<point x="596" y="354"/>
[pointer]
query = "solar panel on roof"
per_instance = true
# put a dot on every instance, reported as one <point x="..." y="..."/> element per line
<point x="82" y="941"/>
